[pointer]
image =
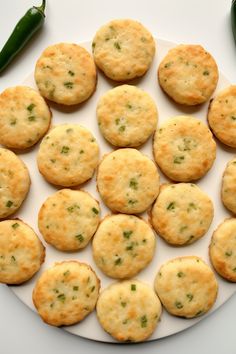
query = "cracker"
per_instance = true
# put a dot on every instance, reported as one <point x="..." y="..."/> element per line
<point x="186" y="286"/>
<point x="68" y="155"/>
<point x="222" y="249"/>
<point x="123" y="49"/>
<point x="182" y="213"/>
<point x="68" y="219"/>
<point x="127" y="181"/>
<point x="21" y="252"/>
<point x="24" y="117"/>
<point x="129" y="310"/>
<point x="66" y="293"/>
<point x="65" y="73"/>
<point x="222" y="116"/>
<point x="14" y="182"/>
<point x="184" y="148"/>
<point x="127" y="116"/>
<point x="123" y="245"/>
<point x="188" y="74"/>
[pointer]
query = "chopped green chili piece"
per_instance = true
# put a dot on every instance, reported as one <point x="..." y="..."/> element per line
<point x="127" y="234"/>
<point x="143" y="321"/>
<point x="179" y="305"/>
<point x="95" y="211"/>
<point x="178" y="159"/>
<point x="80" y="237"/>
<point x="190" y="297"/>
<point x="61" y="297"/>
<point x="69" y="85"/>
<point x="171" y="206"/>
<point x="14" y="226"/>
<point x="32" y="118"/>
<point x="117" y="45"/>
<point x="31" y="107"/>
<point x="180" y="274"/>
<point x="228" y="253"/>
<point x="65" y="149"/>
<point x="118" y="261"/>
<point x="133" y="183"/>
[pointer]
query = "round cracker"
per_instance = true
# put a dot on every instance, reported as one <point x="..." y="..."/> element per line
<point x="68" y="155"/>
<point x="68" y="219"/>
<point x="182" y="213"/>
<point x="228" y="188"/>
<point x="222" y="116"/>
<point x="24" y="117"/>
<point x="222" y="249"/>
<point x="127" y="181"/>
<point x="123" y="49"/>
<point x="186" y="286"/>
<point x="21" y="252"/>
<point x="14" y="182"/>
<point x="127" y="116"/>
<point x="188" y="74"/>
<point x="66" y="293"/>
<point x="184" y="148"/>
<point x="65" y="73"/>
<point x="129" y="310"/>
<point x="123" y="245"/>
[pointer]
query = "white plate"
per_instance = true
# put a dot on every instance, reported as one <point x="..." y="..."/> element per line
<point x="40" y="190"/>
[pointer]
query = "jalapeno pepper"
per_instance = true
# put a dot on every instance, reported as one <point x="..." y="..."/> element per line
<point x="233" y="18"/>
<point x="23" y="31"/>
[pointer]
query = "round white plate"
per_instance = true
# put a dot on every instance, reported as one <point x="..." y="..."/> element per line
<point x="40" y="190"/>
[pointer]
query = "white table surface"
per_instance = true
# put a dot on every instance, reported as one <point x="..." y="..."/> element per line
<point x="206" y="22"/>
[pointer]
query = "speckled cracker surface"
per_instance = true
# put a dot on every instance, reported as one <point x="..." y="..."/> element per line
<point x="68" y="219"/>
<point x="182" y="213"/>
<point x="129" y="310"/>
<point x="24" y="117"/>
<point x="222" y="249"/>
<point x="21" y="252"/>
<point x="123" y="245"/>
<point x="127" y="116"/>
<point x="186" y="286"/>
<point x="184" y="148"/>
<point x="222" y="116"/>
<point x="123" y="49"/>
<point x="65" y="73"/>
<point x="127" y="181"/>
<point x="66" y="293"/>
<point x="228" y="188"/>
<point x="14" y="182"/>
<point x="188" y="74"/>
<point x="68" y="155"/>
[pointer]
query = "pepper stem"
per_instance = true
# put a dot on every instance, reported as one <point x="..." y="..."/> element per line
<point x="42" y="7"/>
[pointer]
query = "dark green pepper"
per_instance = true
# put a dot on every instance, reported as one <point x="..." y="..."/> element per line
<point x="30" y="23"/>
<point x="233" y="18"/>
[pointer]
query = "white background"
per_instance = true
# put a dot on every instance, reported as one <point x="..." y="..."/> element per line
<point x="206" y="22"/>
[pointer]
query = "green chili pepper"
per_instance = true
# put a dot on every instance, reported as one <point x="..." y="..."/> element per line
<point x="24" y="30"/>
<point x="233" y="18"/>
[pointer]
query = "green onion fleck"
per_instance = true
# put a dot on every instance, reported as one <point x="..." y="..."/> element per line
<point x="69" y="85"/>
<point x="171" y="206"/>
<point x="179" y="305"/>
<point x="75" y="288"/>
<point x="95" y="211"/>
<point x="61" y="297"/>
<point x="123" y="303"/>
<point x="118" y="261"/>
<point x="127" y="234"/>
<point x="190" y="297"/>
<point x="133" y="287"/>
<point x="14" y="226"/>
<point x="9" y="203"/>
<point x="133" y="183"/>
<point x="117" y="45"/>
<point x="180" y="274"/>
<point x="31" y="107"/>
<point x="143" y="321"/>
<point x="80" y="238"/>
<point x="32" y="118"/>
<point x="65" y="150"/>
